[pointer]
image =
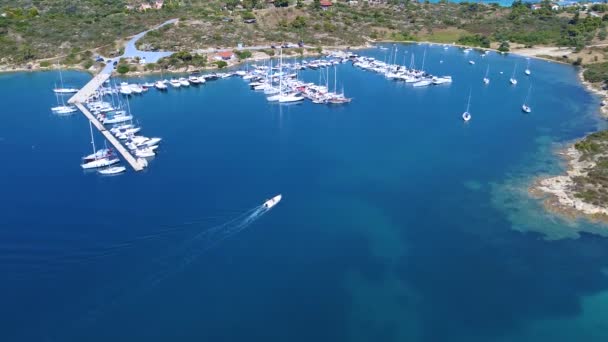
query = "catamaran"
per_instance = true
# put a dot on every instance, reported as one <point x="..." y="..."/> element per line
<point x="525" y="107"/>
<point x="466" y="116"/>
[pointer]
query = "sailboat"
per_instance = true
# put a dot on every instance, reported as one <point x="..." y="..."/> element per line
<point x="527" y="71"/>
<point x="525" y="107"/>
<point x="98" y="162"/>
<point x="63" y="90"/>
<point x="466" y="116"/>
<point x="290" y="97"/>
<point x="61" y="108"/>
<point x="486" y="80"/>
<point x="513" y="80"/>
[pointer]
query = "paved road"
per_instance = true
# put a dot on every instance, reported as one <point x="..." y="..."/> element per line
<point x="131" y="50"/>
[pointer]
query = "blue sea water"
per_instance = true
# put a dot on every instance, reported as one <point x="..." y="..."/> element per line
<point x="398" y="222"/>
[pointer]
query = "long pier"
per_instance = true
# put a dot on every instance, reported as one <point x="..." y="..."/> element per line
<point x="81" y="97"/>
<point x="90" y="88"/>
<point x="136" y="164"/>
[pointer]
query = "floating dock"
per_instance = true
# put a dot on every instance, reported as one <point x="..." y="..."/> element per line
<point x="81" y="97"/>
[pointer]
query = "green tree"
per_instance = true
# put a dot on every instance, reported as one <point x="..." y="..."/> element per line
<point x="122" y="69"/>
<point x="504" y="46"/>
<point x="221" y="64"/>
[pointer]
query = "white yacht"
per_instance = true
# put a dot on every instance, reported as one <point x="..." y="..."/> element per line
<point x="97" y="163"/>
<point x="272" y="202"/>
<point x="175" y="83"/>
<point x="117" y="119"/>
<point x="144" y="153"/>
<point x="287" y="98"/>
<point x="160" y="85"/>
<point x="183" y="82"/>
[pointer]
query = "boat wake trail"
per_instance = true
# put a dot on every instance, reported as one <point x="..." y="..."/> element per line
<point x="190" y="250"/>
<point x="180" y="257"/>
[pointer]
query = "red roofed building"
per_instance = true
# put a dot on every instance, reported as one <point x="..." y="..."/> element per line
<point x="224" y="55"/>
<point x="325" y="4"/>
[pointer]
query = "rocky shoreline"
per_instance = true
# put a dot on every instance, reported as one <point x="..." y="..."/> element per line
<point x="558" y="192"/>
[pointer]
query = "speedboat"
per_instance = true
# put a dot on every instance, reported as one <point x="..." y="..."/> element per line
<point x="160" y="85"/>
<point x="526" y="109"/>
<point x="272" y="202"/>
<point x="472" y="62"/>
<point x="112" y="170"/>
<point x="513" y="81"/>
<point x="466" y="116"/>
<point x="486" y="80"/>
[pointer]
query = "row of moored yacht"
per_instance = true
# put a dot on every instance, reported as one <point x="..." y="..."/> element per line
<point x="281" y="84"/>
<point x="119" y="122"/>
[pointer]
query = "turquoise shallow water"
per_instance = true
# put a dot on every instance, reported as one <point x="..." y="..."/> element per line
<point x="399" y="222"/>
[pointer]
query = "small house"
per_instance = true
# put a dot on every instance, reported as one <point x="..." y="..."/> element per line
<point x="224" y="56"/>
<point x="325" y="4"/>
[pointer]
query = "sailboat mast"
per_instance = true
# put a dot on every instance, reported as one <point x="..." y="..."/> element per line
<point x="92" y="139"/>
<point x="280" y="76"/>
<point x="335" y="79"/>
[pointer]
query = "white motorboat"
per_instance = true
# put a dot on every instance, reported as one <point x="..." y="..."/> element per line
<point x="288" y="98"/>
<point x="194" y="79"/>
<point x="442" y="80"/>
<point x="272" y="202"/>
<point x="160" y="85"/>
<point x="125" y="89"/>
<point x="97" y="163"/>
<point x="112" y="170"/>
<point x="144" y="153"/>
<point x="136" y="88"/>
<point x="486" y="80"/>
<point x="175" y="83"/>
<point x="472" y="62"/>
<point x="152" y="142"/>
<point x="527" y="71"/>
<point x="183" y="82"/>
<point x="422" y="83"/>
<point x="117" y="119"/>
